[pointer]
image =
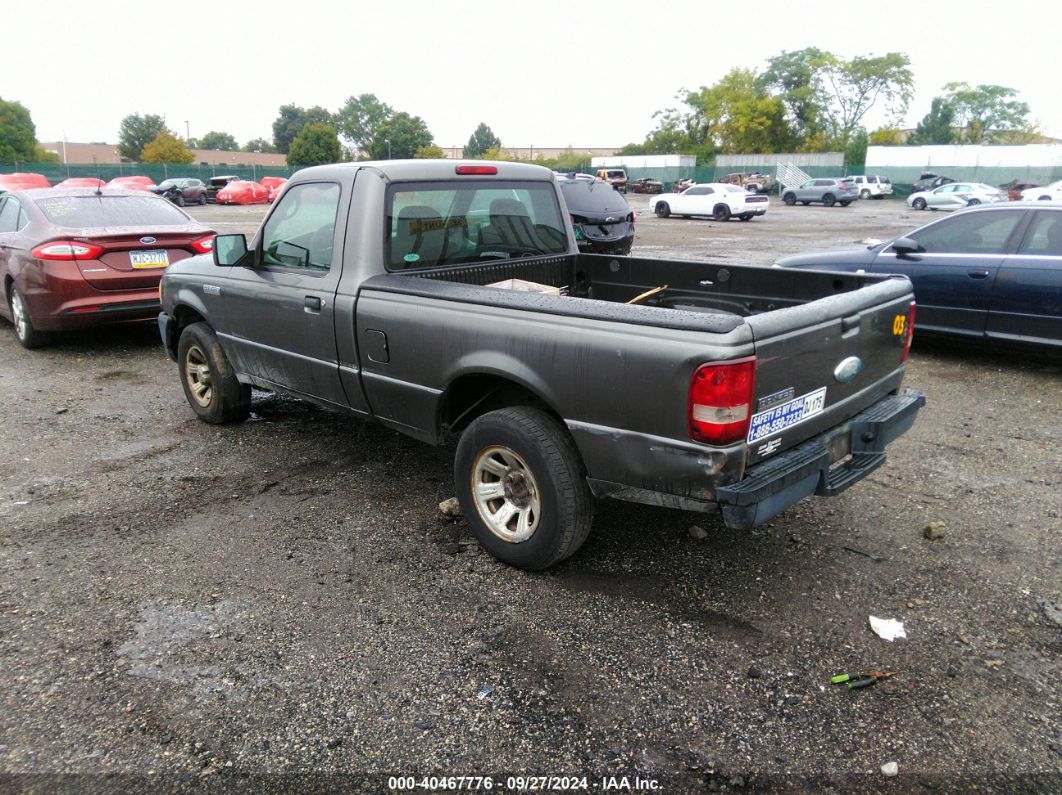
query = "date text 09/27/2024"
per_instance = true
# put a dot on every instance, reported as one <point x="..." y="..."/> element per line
<point x="523" y="783"/>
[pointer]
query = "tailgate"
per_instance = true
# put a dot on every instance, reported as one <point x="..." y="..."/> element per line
<point x="823" y="362"/>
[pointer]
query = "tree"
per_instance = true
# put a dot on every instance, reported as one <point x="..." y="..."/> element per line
<point x="18" y="134"/>
<point x="315" y="145"/>
<point x="886" y="136"/>
<point x="138" y="131"/>
<point x="360" y="118"/>
<point x="480" y="141"/>
<point x="858" y="85"/>
<point x="399" y="137"/>
<point x="739" y="116"/>
<point x="986" y="113"/>
<point x="937" y="126"/>
<point x="258" y="145"/>
<point x="292" y="119"/>
<point x="166" y="148"/>
<point x="855" y="153"/>
<point x="218" y="142"/>
<point x="798" y="77"/>
<point x="431" y="152"/>
<point x="633" y="149"/>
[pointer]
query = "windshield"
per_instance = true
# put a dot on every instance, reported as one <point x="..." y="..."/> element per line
<point x="94" y="211"/>
<point x="591" y="197"/>
<point x="169" y="183"/>
<point x="436" y="224"/>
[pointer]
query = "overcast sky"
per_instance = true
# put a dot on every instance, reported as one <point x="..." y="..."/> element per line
<point x="585" y="74"/>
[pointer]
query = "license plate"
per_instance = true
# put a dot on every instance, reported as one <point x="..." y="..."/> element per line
<point x="157" y="258"/>
<point x="793" y="412"/>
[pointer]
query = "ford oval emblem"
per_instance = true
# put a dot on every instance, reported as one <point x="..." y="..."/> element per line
<point x="147" y="240"/>
<point x="848" y="369"/>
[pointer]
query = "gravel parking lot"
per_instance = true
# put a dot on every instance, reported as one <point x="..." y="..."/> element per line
<point x="255" y="604"/>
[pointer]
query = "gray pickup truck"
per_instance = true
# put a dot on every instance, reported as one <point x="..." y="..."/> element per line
<point x="448" y="300"/>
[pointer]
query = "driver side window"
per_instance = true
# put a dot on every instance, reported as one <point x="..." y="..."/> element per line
<point x="300" y="231"/>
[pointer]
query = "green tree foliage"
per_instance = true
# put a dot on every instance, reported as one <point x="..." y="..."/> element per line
<point x="166" y="147"/>
<point x="402" y="135"/>
<point x="218" y="142"/>
<point x="797" y="77"/>
<point x="858" y="85"/>
<point x="855" y="153"/>
<point x="290" y="121"/>
<point x="937" y="126"/>
<point x="480" y="141"/>
<point x="315" y="145"/>
<point x="986" y="114"/>
<point x="886" y="136"/>
<point x="633" y="149"/>
<point x="360" y="118"/>
<point x="258" y="145"/>
<point x="42" y="156"/>
<point x="431" y="152"/>
<point x="18" y="135"/>
<point x="739" y="116"/>
<point x="138" y="131"/>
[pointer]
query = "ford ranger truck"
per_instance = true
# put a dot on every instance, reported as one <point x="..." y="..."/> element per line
<point x="448" y="300"/>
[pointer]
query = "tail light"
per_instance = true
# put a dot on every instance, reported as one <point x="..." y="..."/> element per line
<point x="469" y="170"/>
<point x="67" y="251"/>
<point x="909" y="333"/>
<point x="720" y="401"/>
<point x="204" y="245"/>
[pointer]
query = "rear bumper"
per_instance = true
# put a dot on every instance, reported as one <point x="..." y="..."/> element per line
<point x="769" y="488"/>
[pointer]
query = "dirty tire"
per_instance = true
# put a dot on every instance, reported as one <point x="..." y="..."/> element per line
<point x="789" y="199"/>
<point x="27" y="336"/>
<point x="828" y="200"/>
<point x="919" y="204"/>
<point x="556" y="470"/>
<point x="213" y="391"/>
<point x="721" y="212"/>
<point x="662" y="210"/>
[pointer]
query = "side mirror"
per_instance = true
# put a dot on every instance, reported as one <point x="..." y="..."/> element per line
<point x="229" y="250"/>
<point x="903" y="246"/>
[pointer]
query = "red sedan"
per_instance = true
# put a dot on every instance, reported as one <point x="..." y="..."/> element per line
<point x="242" y="192"/>
<point x="23" y="181"/>
<point x="72" y="258"/>
<point x="81" y="182"/>
<point x="275" y="185"/>
<point x="132" y="183"/>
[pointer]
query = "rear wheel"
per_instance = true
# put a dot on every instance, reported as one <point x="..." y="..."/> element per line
<point x="662" y="210"/>
<point x="721" y="212"/>
<point x="522" y="487"/>
<point x="919" y="204"/>
<point x="28" y="336"/>
<point x="829" y="199"/>
<point x="209" y="382"/>
<point x="790" y="199"/>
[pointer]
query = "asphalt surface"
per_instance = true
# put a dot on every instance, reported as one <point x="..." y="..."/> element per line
<point x="281" y="604"/>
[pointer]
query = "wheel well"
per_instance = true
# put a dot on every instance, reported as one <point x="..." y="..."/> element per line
<point x="183" y="316"/>
<point x="474" y="395"/>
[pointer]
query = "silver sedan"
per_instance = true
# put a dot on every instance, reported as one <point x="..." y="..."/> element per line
<point x="956" y="195"/>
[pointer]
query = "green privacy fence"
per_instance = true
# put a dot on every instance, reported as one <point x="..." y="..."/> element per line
<point x="902" y="177"/>
<point x="57" y="172"/>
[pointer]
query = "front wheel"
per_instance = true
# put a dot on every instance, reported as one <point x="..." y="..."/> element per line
<point x="789" y="199"/>
<point x="662" y="210"/>
<point x="522" y="487"/>
<point x="721" y="212"/>
<point x="919" y="204"/>
<point x="973" y="202"/>
<point x="209" y="382"/>
<point x="179" y="201"/>
<point x="202" y="199"/>
<point x="28" y="336"/>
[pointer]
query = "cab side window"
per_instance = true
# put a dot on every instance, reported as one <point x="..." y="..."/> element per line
<point x="9" y="215"/>
<point x="300" y="231"/>
<point x="976" y="233"/>
<point x="1044" y="237"/>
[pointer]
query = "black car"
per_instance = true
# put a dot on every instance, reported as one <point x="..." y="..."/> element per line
<point x="603" y="221"/>
<point x="182" y="191"/>
<point x="993" y="272"/>
<point x="929" y="181"/>
<point x="216" y="184"/>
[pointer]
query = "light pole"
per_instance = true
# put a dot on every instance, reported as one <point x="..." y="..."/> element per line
<point x="187" y="132"/>
<point x="388" y="148"/>
<point x="532" y="153"/>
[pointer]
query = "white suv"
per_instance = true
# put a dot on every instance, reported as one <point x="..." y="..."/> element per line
<point x="873" y="187"/>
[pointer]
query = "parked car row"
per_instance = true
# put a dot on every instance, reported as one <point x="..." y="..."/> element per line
<point x="179" y="190"/>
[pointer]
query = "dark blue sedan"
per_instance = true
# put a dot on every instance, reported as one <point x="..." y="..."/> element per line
<point x="991" y="272"/>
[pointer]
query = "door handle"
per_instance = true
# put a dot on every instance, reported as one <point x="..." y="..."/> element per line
<point x="977" y="274"/>
<point x="313" y="303"/>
